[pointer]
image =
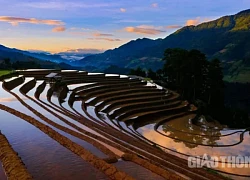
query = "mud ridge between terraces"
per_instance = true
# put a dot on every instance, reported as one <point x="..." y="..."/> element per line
<point x="153" y="155"/>
<point x="104" y="149"/>
<point x="144" y="149"/>
<point x="108" y="169"/>
<point x="12" y="163"/>
<point x="165" y="159"/>
<point x="156" y="169"/>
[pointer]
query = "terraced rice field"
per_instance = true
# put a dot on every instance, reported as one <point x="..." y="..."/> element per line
<point x="97" y="126"/>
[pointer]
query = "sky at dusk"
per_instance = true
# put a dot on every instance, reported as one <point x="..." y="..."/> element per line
<point x="61" y="25"/>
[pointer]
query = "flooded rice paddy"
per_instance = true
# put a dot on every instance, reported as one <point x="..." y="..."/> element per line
<point x="125" y="128"/>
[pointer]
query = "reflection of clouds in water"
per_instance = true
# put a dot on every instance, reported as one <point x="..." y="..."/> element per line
<point x="181" y="147"/>
<point x="182" y="124"/>
<point x="241" y="149"/>
<point x="179" y="129"/>
<point x="185" y="124"/>
<point x="11" y="99"/>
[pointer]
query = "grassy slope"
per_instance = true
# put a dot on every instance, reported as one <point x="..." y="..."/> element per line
<point x="4" y="72"/>
<point x="243" y="77"/>
<point x="238" y="71"/>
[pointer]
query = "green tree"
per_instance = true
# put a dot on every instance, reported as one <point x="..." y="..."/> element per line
<point x="185" y="71"/>
<point x="152" y="75"/>
<point x="7" y="63"/>
<point x="138" y="72"/>
<point x="173" y="67"/>
<point x="215" y="84"/>
<point x="193" y="76"/>
<point x="196" y="72"/>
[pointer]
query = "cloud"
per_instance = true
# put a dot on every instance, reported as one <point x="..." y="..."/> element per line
<point x="154" y="5"/>
<point x="101" y="34"/>
<point x="192" y="22"/>
<point x="123" y="10"/>
<point x="145" y="29"/>
<point x="59" y="29"/>
<point x="174" y="26"/>
<point x="106" y="39"/>
<point x="196" y="21"/>
<point x="14" y="21"/>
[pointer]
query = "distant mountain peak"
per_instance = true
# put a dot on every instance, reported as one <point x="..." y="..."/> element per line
<point x="226" y="38"/>
<point x="247" y="11"/>
<point x="237" y="22"/>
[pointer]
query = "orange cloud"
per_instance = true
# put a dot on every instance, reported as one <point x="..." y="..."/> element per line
<point x="106" y="39"/>
<point x="59" y="29"/>
<point x="144" y="29"/>
<point x="154" y="5"/>
<point x="198" y="20"/>
<point x="123" y="10"/>
<point x="100" y="34"/>
<point x="193" y="22"/>
<point x="16" y="20"/>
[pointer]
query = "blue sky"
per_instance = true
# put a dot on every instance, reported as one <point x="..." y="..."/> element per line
<point x="61" y="25"/>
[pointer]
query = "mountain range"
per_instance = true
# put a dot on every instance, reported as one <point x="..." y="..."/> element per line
<point x="226" y="38"/>
<point x="43" y="59"/>
<point x="65" y="60"/>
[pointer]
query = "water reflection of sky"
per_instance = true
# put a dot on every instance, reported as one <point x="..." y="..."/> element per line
<point x="183" y="125"/>
<point x="191" y="149"/>
<point x="36" y="148"/>
<point x="7" y="97"/>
